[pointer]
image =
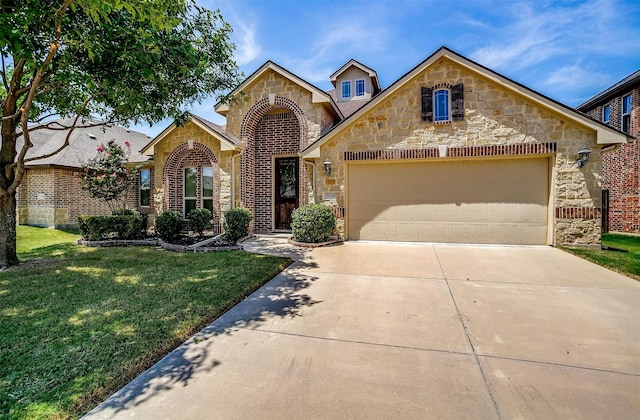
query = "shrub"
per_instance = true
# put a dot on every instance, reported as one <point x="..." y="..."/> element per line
<point x="199" y="220"/>
<point x="133" y="212"/>
<point x="312" y="223"/>
<point x="236" y="223"/>
<point x="168" y="225"/>
<point x="97" y="228"/>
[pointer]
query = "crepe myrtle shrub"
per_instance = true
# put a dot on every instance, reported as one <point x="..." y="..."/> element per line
<point x="312" y="223"/>
<point x="168" y="225"/>
<point x="236" y="223"/>
<point x="199" y="220"/>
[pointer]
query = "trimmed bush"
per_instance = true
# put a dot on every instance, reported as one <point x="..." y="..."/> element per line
<point x="312" y="223"/>
<point x="98" y="228"/>
<point x="134" y="212"/>
<point x="168" y="225"/>
<point x="199" y="220"/>
<point x="236" y="223"/>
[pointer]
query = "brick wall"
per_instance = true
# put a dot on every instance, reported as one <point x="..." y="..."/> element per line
<point x="620" y="173"/>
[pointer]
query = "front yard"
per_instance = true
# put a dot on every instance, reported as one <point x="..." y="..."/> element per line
<point x="627" y="263"/>
<point x="79" y="323"/>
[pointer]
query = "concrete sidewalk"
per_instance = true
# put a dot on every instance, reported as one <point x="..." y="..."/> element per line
<point x="380" y="330"/>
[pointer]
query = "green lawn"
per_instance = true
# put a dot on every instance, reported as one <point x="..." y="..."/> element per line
<point x="79" y="323"/>
<point x="627" y="263"/>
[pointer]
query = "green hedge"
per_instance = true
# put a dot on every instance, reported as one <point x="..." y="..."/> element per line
<point x="199" y="220"/>
<point x="168" y="225"/>
<point x="128" y="226"/>
<point x="312" y="223"/>
<point x="236" y="223"/>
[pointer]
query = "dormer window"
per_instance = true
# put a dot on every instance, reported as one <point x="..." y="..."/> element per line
<point x="360" y="87"/>
<point x="346" y="89"/>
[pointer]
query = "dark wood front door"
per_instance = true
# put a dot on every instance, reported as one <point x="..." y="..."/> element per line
<point x="286" y="190"/>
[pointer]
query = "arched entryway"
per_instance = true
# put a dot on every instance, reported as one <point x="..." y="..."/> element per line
<point x="272" y="173"/>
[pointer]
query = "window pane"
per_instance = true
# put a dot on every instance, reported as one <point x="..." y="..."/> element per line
<point x="190" y="182"/>
<point x="208" y="204"/>
<point x="626" y="104"/>
<point x="189" y="205"/>
<point x="145" y="198"/>
<point x="346" y="89"/>
<point x="207" y="181"/>
<point x="626" y="120"/>
<point x="360" y="87"/>
<point x="145" y="178"/>
<point x="606" y="113"/>
<point x="441" y="105"/>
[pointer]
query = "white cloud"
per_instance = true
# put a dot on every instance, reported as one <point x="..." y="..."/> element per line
<point x="247" y="48"/>
<point x="576" y="76"/>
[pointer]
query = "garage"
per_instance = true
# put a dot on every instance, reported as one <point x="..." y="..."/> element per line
<point x="492" y="201"/>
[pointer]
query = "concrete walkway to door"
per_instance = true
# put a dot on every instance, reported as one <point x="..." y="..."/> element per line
<point x="410" y="331"/>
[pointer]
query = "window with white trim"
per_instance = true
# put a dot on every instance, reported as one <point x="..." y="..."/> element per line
<point x="190" y="189"/>
<point x="626" y="113"/>
<point x="346" y="89"/>
<point x="441" y="105"/>
<point x="606" y="114"/>
<point x="145" y="187"/>
<point x="207" y="188"/>
<point x="360" y="87"/>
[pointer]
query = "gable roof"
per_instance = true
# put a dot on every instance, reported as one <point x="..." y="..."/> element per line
<point x="605" y="134"/>
<point x="317" y="94"/>
<point x="353" y="63"/>
<point x="227" y="141"/>
<point x="82" y="143"/>
<point x="611" y="91"/>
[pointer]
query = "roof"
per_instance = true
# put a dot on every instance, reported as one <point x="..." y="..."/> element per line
<point x="317" y="94"/>
<point x="82" y="142"/>
<point x="605" y="134"/>
<point x="610" y="92"/>
<point x="348" y="107"/>
<point x="353" y="63"/>
<point x="227" y="141"/>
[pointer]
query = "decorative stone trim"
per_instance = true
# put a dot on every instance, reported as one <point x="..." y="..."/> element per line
<point x="578" y="213"/>
<point x="454" y="152"/>
<point x="335" y="241"/>
<point x="118" y="242"/>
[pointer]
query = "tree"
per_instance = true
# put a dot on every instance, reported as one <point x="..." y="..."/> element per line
<point x="124" y="61"/>
<point x="107" y="177"/>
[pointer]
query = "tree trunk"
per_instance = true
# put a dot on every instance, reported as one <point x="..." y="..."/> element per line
<point x="8" y="254"/>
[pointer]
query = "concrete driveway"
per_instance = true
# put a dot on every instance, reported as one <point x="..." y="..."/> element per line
<point x="381" y="330"/>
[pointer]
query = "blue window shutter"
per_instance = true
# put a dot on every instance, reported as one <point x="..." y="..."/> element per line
<point x="427" y="104"/>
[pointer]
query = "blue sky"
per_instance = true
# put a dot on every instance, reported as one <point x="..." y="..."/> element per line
<point x="567" y="50"/>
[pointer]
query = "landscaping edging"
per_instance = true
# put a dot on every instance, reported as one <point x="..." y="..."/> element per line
<point x="190" y="248"/>
<point x="336" y="241"/>
<point x="118" y="242"/>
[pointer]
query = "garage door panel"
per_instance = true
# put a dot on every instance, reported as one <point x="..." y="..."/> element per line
<point x="489" y="201"/>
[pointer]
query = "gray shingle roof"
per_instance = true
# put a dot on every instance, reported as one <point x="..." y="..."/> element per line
<point x="82" y="143"/>
<point x="611" y="91"/>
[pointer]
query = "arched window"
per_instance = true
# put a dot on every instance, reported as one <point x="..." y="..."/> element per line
<point x="441" y="105"/>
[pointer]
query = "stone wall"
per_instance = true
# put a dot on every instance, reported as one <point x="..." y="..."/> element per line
<point x="493" y="116"/>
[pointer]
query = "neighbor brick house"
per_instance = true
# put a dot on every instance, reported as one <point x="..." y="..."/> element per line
<point x="49" y="194"/>
<point x="619" y="107"/>
<point x="450" y="152"/>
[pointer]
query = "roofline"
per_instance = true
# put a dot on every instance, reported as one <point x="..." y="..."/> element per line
<point x="611" y="91"/>
<point x="225" y="143"/>
<point x="317" y="94"/>
<point x="609" y="135"/>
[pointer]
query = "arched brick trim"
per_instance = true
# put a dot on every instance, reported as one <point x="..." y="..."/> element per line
<point x="173" y="178"/>
<point x="248" y="129"/>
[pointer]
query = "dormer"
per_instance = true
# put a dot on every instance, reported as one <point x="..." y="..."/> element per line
<point x="355" y="82"/>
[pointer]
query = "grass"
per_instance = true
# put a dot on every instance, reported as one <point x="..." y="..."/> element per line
<point x="627" y="263"/>
<point x="79" y="323"/>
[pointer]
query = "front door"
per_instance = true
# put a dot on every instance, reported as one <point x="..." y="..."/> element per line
<point x="286" y="191"/>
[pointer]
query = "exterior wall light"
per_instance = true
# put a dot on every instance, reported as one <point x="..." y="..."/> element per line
<point x="327" y="167"/>
<point x="583" y="156"/>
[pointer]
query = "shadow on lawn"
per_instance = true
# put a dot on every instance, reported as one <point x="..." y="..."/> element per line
<point x="282" y="297"/>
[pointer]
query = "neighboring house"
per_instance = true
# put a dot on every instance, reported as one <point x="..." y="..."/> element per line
<point x="619" y="107"/>
<point x="450" y="152"/>
<point x="49" y="194"/>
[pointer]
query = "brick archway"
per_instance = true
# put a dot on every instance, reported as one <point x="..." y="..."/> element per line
<point x="283" y="113"/>
<point x="173" y="178"/>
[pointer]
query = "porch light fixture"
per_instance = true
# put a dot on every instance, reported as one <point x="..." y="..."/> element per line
<point x="583" y="156"/>
<point x="190" y="143"/>
<point x="327" y="167"/>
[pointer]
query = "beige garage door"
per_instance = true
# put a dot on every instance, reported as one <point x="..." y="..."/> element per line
<point x="483" y="201"/>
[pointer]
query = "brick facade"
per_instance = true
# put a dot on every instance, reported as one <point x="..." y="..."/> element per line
<point x="620" y="167"/>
